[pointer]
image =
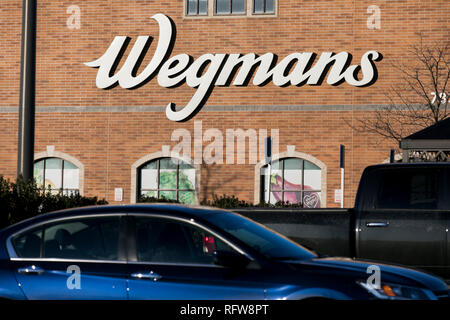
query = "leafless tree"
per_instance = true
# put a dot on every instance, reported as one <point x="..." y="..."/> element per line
<point x="421" y="97"/>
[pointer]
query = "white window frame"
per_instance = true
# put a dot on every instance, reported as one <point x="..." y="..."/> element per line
<point x="157" y="155"/>
<point x="293" y="154"/>
<point x="51" y="153"/>
<point x="211" y="11"/>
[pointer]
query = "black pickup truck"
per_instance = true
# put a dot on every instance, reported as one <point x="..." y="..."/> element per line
<point x="401" y="215"/>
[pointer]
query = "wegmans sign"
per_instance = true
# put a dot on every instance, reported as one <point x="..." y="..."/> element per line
<point x="219" y="69"/>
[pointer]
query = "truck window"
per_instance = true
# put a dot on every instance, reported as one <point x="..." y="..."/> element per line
<point x="408" y="189"/>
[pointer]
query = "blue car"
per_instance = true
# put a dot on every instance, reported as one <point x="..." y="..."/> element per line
<point x="176" y="252"/>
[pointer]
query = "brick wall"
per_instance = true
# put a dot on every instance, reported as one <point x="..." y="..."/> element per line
<point x="107" y="143"/>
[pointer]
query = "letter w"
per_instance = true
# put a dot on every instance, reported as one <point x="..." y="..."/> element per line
<point x="125" y="76"/>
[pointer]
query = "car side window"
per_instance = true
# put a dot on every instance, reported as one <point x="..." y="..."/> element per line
<point x="86" y="238"/>
<point x="407" y="189"/>
<point x="28" y="244"/>
<point x="173" y="241"/>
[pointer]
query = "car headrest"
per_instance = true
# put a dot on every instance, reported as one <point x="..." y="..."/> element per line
<point x="63" y="237"/>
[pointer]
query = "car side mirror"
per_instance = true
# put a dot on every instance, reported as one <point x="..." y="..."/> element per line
<point x="230" y="259"/>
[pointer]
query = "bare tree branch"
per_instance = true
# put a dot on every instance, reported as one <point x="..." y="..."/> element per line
<point x="420" y="100"/>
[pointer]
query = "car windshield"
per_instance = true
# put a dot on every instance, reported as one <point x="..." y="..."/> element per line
<point x="265" y="241"/>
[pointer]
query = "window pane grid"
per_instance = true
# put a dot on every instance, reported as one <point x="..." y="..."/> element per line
<point x="161" y="191"/>
<point x="229" y="7"/>
<point x="263" y="6"/>
<point x="43" y="186"/>
<point x="196" y="7"/>
<point x="224" y="7"/>
<point x="284" y="191"/>
<point x="167" y="189"/>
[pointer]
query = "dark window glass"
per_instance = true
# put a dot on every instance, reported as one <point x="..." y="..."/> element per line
<point x="192" y="7"/>
<point x="230" y="6"/>
<point x="261" y="239"/>
<point x="202" y="6"/>
<point x="269" y="6"/>
<point x="171" y="241"/>
<point x="223" y="6"/>
<point x="408" y="189"/>
<point x="90" y="239"/>
<point x="238" y="6"/>
<point x="28" y="244"/>
<point x="258" y="6"/>
<point x="197" y="7"/>
<point x="263" y="6"/>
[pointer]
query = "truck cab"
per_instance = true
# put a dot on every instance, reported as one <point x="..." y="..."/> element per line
<point x="402" y="215"/>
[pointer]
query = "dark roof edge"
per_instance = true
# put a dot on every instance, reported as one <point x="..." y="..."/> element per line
<point x="425" y="144"/>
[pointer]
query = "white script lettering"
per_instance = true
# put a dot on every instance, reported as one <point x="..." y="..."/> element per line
<point x="218" y="69"/>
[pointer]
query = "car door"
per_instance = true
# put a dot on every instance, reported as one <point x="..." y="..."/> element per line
<point x="172" y="259"/>
<point x="403" y="220"/>
<point x="76" y="258"/>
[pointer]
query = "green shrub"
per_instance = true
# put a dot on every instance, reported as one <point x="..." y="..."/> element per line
<point x="279" y="204"/>
<point x="232" y="202"/>
<point x="226" y="202"/>
<point x="5" y="202"/>
<point x="153" y="200"/>
<point x="52" y="202"/>
<point x="21" y="200"/>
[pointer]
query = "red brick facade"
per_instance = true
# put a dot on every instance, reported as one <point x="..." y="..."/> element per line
<point x="107" y="141"/>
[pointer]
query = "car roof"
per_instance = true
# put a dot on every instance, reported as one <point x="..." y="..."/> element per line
<point x="174" y="209"/>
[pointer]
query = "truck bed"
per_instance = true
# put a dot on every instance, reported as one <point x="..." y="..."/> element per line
<point x="326" y="231"/>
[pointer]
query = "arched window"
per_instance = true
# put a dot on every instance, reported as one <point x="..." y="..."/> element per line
<point x="58" y="175"/>
<point x="168" y="178"/>
<point x="292" y="180"/>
